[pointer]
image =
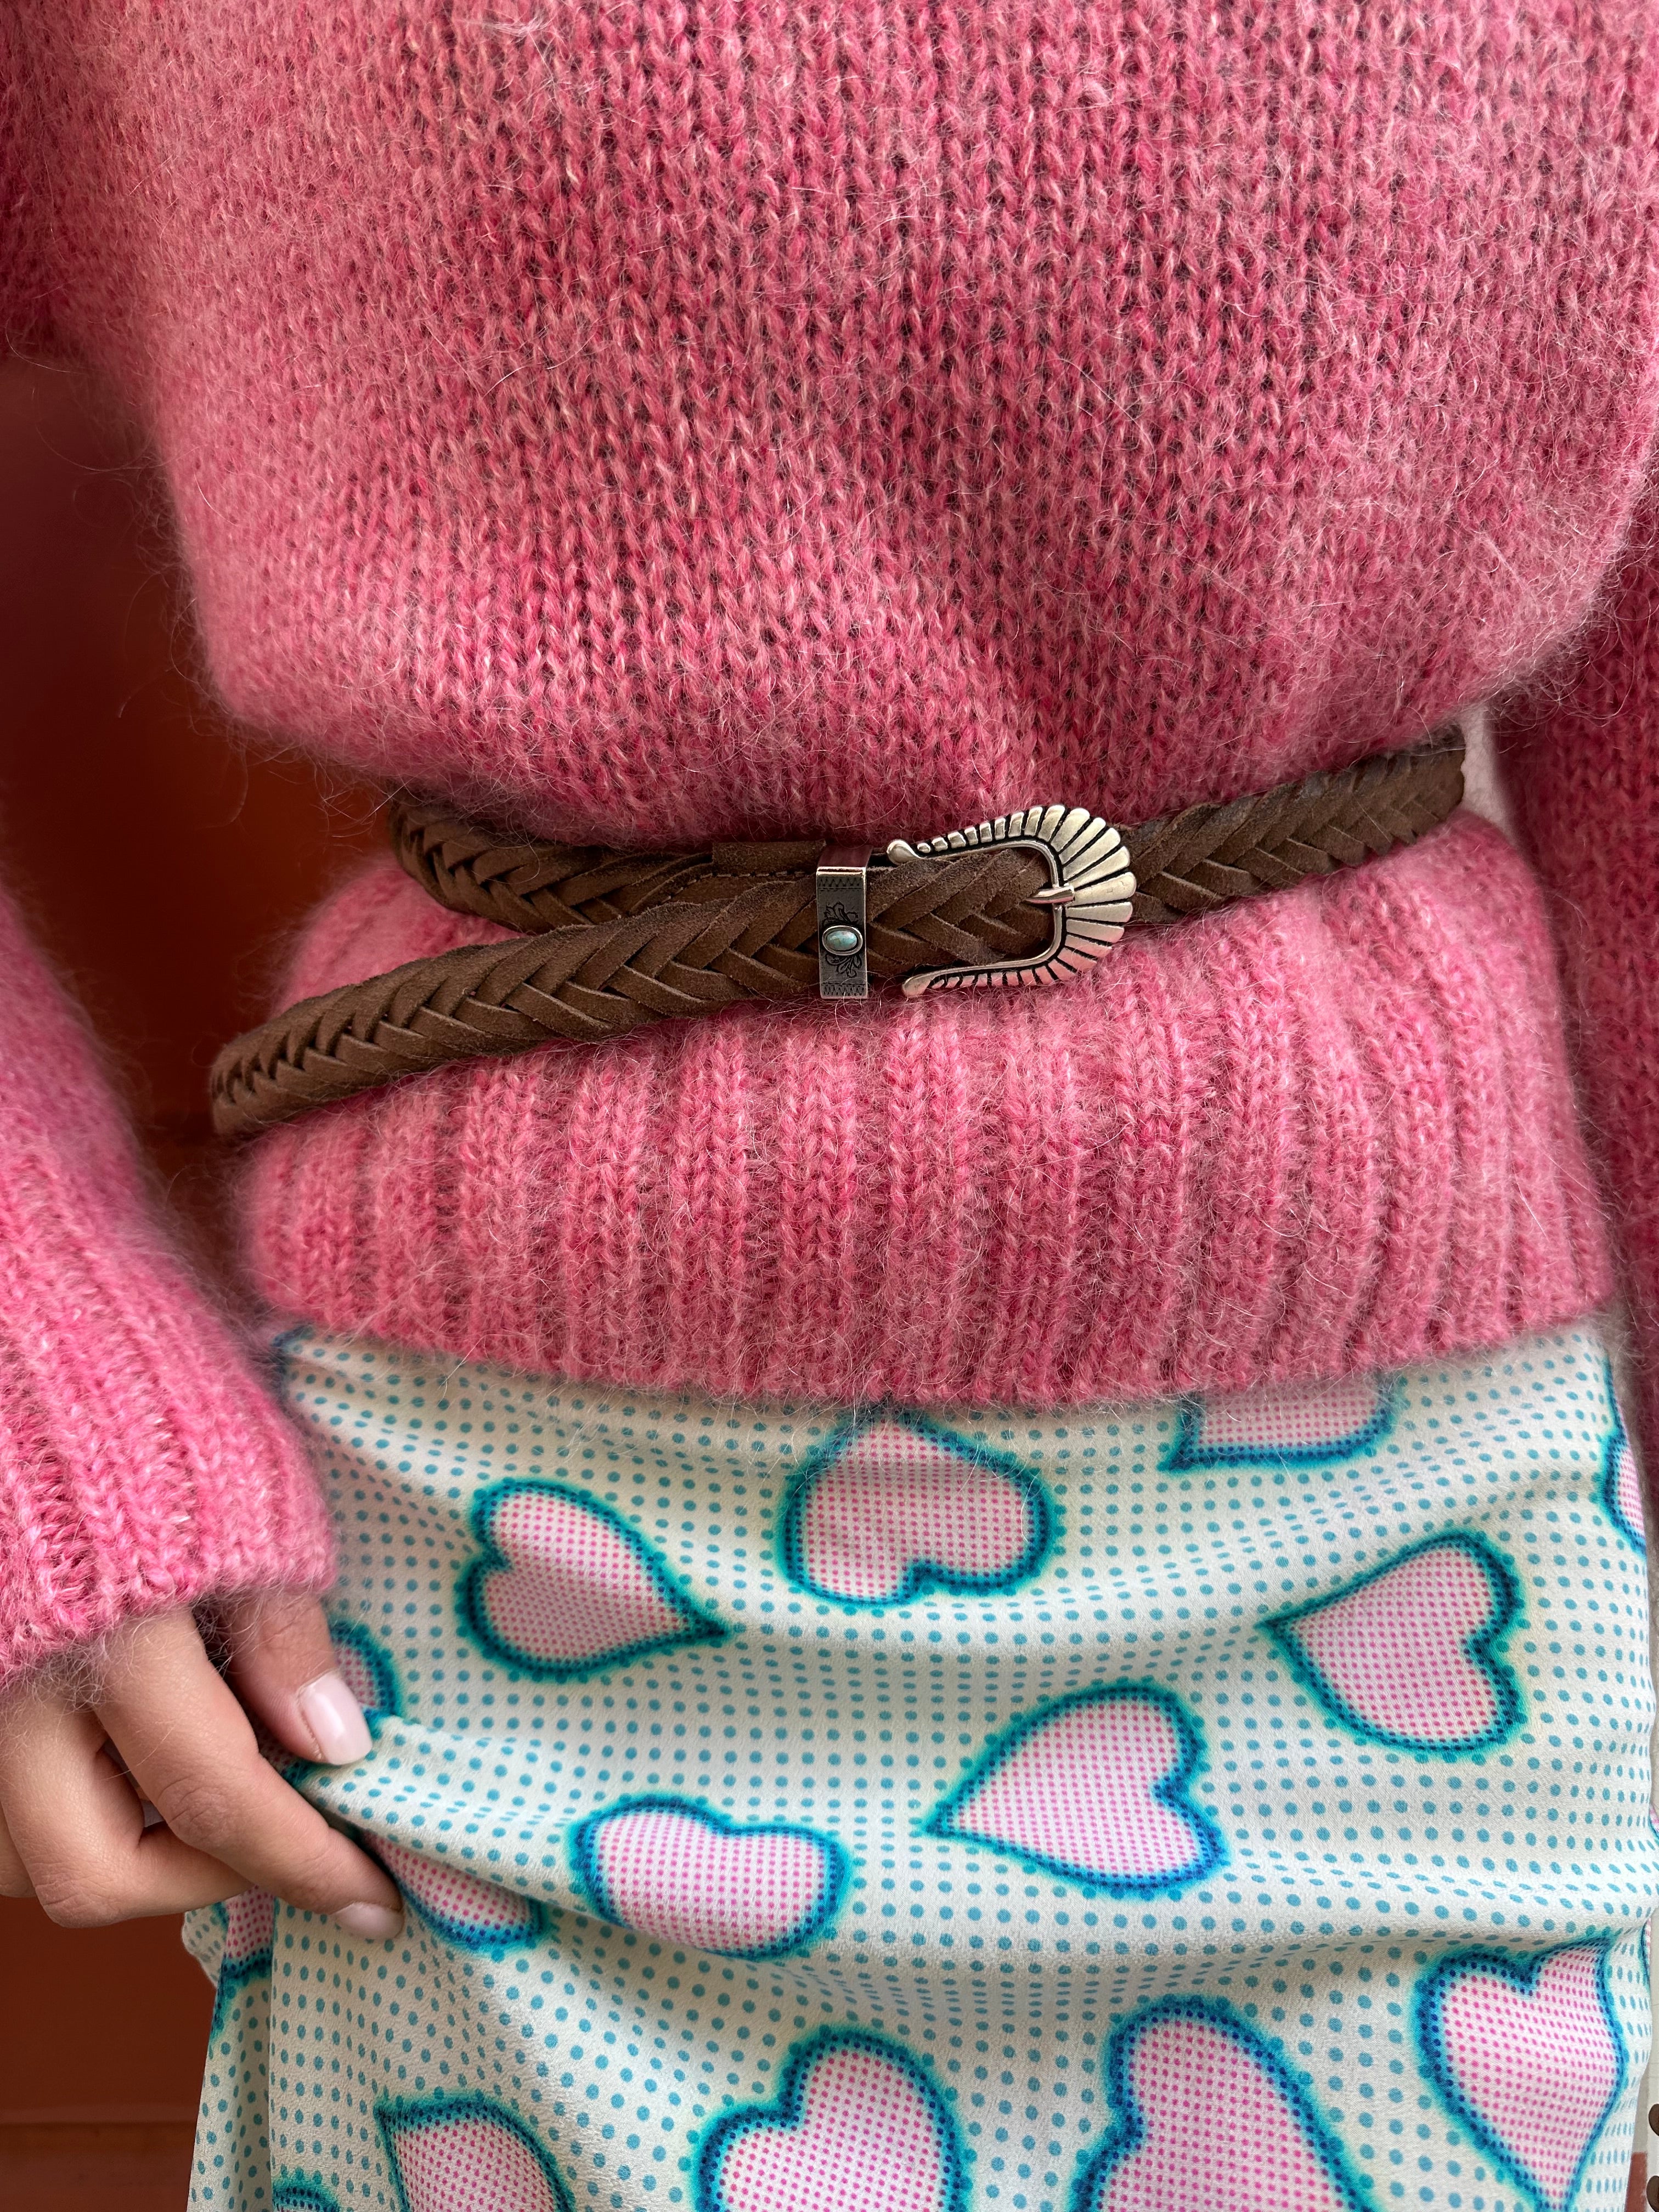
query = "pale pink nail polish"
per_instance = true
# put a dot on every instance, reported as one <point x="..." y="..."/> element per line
<point x="335" y="1719"/>
<point x="373" y="1922"/>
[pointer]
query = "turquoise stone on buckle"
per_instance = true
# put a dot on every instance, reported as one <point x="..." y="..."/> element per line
<point x="843" y="963"/>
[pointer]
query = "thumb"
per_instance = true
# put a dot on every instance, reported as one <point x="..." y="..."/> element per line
<point x="282" y="1668"/>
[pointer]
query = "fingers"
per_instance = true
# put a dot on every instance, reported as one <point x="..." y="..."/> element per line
<point x="75" y="1828"/>
<point x="283" y="1664"/>
<point x="72" y="1823"/>
<point x="192" y="1751"/>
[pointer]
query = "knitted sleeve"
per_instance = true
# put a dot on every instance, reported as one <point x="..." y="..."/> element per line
<point x="142" y="1466"/>
<point x="1580" y="755"/>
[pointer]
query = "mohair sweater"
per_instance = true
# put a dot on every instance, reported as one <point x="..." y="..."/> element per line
<point x="651" y="420"/>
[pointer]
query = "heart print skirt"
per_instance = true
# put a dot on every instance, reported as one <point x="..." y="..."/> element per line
<point x="1227" y="1805"/>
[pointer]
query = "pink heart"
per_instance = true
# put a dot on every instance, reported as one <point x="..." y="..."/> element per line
<point x="1621" y="1488"/>
<point x="898" y="1507"/>
<point x="479" y="1915"/>
<point x="1286" y="1424"/>
<point x="669" y="1868"/>
<point x="1527" y="2055"/>
<point x="250" y="1922"/>
<point x="858" y="2127"/>
<point x="1093" y="1788"/>
<point x="249" y="1927"/>
<point x="566" y="1586"/>
<point x="469" y="2155"/>
<point x="1208" y="2114"/>
<point x="1407" y="1655"/>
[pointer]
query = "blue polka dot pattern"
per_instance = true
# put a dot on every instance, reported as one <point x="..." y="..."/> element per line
<point x="1395" y="1901"/>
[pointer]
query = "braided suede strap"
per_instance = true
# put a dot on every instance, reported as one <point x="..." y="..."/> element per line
<point x="611" y="941"/>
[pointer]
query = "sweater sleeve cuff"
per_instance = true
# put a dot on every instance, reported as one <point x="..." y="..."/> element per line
<point x="144" y="1466"/>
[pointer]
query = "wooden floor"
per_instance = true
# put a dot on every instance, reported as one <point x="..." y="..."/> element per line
<point x="102" y="2033"/>
<point x="73" y="2163"/>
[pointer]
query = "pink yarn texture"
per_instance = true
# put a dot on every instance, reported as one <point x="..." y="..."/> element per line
<point x="142" y="1464"/>
<point x="652" y="421"/>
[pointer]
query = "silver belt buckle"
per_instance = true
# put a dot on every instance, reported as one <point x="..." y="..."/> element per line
<point x="1089" y="893"/>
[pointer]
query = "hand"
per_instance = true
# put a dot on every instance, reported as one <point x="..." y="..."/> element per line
<point x="72" y="1823"/>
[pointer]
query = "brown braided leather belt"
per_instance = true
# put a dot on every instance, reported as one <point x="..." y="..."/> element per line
<point x="610" y="940"/>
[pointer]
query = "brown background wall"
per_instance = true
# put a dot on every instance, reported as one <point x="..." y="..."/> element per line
<point x="160" y="865"/>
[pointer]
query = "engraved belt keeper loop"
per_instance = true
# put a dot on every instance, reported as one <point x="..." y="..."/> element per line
<point x="841" y="882"/>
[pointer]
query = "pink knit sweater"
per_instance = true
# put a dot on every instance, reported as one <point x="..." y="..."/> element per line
<point x="651" y="420"/>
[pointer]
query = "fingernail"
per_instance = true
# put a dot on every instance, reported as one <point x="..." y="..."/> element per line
<point x="377" y="1921"/>
<point x="335" y="1719"/>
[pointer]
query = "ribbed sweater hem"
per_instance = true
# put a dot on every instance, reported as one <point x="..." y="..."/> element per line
<point x="1328" y="1131"/>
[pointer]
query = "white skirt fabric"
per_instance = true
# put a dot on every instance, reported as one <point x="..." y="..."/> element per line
<point x="1236" y="1805"/>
